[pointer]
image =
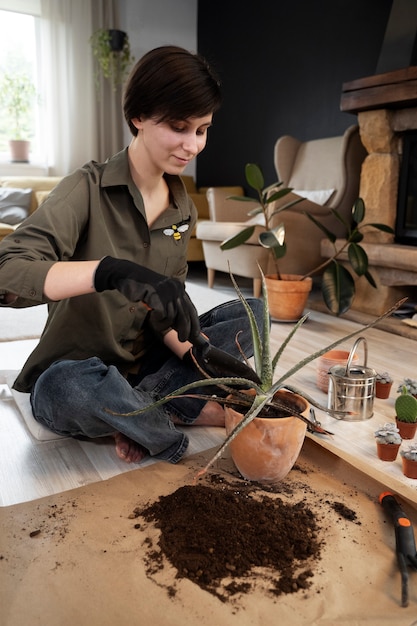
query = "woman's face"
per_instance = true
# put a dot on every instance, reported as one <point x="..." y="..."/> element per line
<point x="170" y="146"/>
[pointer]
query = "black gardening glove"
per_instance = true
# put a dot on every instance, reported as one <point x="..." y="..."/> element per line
<point x="166" y="297"/>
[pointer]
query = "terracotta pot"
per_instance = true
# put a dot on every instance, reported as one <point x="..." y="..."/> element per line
<point x="387" y="451"/>
<point x="382" y="390"/>
<point x="328" y="360"/>
<point x="267" y="448"/>
<point x="409" y="468"/>
<point x="288" y="296"/>
<point x="19" y="151"/>
<point x="407" y="429"/>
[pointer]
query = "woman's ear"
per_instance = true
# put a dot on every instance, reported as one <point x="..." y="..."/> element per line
<point x="137" y="123"/>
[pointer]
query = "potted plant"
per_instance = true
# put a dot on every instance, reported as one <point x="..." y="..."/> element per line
<point x="409" y="461"/>
<point x="388" y="441"/>
<point x="337" y="283"/>
<point x="406" y="414"/>
<point x="410" y="384"/>
<point x="111" y="49"/>
<point x="266" y="401"/>
<point x="383" y="384"/>
<point x="17" y="96"/>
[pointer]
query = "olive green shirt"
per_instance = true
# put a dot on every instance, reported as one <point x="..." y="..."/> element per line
<point x="94" y="212"/>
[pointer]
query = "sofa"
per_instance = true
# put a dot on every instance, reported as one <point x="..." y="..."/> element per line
<point x="34" y="189"/>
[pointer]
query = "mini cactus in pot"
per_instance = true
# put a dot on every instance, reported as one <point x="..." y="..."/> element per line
<point x="383" y="384"/>
<point x="406" y="413"/>
<point x="409" y="460"/>
<point x="388" y="441"/>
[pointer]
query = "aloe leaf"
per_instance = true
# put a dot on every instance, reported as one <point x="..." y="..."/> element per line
<point x="293" y="370"/>
<point x="338" y="288"/>
<point x="238" y="239"/>
<point x="266" y="375"/>
<point x="358" y="259"/>
<point x="256" y="337"/>
<point x="287" y="340"/>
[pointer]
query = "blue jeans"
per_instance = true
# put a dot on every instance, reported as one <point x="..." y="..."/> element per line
<point x="74" y="397"/>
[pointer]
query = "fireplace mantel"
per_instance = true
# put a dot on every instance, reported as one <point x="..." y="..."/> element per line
<point x="386" y="106"/>
<point x="393" y="90"/>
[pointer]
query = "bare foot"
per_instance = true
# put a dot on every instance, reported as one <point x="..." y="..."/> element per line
<point x="129" y="450"/>
<point x="212" y="414"/>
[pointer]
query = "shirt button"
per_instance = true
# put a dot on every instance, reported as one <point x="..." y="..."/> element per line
<point x="132" y="309"/>
<point x="32" y="293"/>
<point x="145" y="244"/>
<point x="17" y="240"/>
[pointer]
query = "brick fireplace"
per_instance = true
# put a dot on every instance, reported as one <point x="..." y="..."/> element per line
<point x="386" y="106"/>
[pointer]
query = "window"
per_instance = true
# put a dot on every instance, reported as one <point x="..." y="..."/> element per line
<point x="19" y="57"/>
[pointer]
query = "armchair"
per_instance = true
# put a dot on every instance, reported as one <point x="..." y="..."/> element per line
<point x="325" y="172"/>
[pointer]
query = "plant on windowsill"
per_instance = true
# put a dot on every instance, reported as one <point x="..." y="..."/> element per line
<point x="265" y="403"/>
<point x="388" y="441"/>
<point x="111" y="50"/>
<point x="406" y="414"/>
<point x="18" y="96"/>
<point x="337" y="282"/>
<point x="409" y="461"/>
<point x="383" y="384"/>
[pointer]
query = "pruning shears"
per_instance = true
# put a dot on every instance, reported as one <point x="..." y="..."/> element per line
<point x="404" y="539"/>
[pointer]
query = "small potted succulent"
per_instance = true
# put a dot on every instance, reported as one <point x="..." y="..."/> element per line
<point x="383" y="384"/>
<point x="410" y="384"/>
<point x="406" y="413"/>
<point x="409" y="460"/>
<point x="388" y="441"/>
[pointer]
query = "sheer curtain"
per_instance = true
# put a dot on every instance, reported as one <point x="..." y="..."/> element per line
<point x="81" y="125"/>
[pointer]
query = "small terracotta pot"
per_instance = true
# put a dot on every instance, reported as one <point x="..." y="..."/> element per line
<point x="328" y="360"/>
<point x="409" y="468"/>
<point x="267" y="448"/>
<point x="288" y="296"/>
<point x="387" y="451"/>
<point x="407" y="429"/>
<point x="382" y="390"/>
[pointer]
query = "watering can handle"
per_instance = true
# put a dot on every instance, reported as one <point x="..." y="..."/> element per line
<point x="352" y="353"/>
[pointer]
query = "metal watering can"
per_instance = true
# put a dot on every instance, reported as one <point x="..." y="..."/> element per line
<point x="352" y="388"/>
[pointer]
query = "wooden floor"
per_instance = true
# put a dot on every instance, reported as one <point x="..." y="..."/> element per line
<point x="30" y="469"/>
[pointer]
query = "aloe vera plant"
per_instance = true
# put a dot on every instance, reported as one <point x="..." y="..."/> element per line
<point x="337" y="282"/>
<point x="264" y="366"/>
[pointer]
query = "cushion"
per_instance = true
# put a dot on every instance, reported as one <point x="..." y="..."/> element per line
<point x="14" y="204"/>
<point x="319" y="196"/>
<point x="41" y="196"/>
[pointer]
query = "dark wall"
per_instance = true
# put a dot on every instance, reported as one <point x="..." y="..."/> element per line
<point x="282" y="64"/>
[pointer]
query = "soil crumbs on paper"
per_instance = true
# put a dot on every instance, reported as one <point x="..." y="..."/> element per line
<point x="227" y="538"/>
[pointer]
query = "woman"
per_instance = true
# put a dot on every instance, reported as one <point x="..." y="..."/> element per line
<point x="99" y="251"/>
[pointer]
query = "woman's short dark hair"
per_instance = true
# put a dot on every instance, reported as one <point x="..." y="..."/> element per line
<point x="170" y="83"/>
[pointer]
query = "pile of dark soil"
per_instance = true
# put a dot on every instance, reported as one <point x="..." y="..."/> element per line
<point x="226" y="538"/>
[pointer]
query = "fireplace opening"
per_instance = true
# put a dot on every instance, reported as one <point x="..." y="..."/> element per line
<point x="406" y="222"/>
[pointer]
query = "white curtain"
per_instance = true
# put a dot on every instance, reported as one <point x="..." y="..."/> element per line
<point x="76" y="133"/>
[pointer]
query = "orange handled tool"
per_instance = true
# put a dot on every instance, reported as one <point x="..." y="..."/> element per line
<point x="404" y="539"/>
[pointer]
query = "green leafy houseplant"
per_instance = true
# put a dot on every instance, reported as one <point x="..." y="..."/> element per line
<point x="337" y="283"/>
<point x="17" y="96"/>
<point x="264" y="392"/>
<point x="113" y="60"/>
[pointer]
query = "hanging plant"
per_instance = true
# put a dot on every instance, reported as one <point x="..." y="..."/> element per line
<point x="111" y="50"/>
